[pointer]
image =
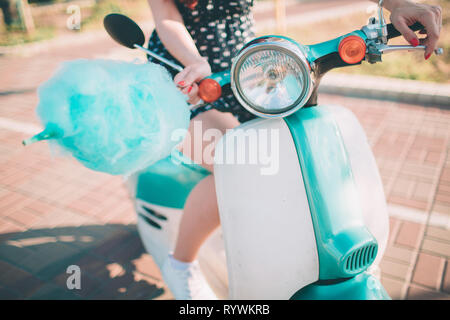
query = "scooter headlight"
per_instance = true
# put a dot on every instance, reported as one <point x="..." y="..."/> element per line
<point x="271" y="77"/>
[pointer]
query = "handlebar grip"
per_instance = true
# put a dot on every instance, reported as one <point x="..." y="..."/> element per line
<point x="393" y="32"/>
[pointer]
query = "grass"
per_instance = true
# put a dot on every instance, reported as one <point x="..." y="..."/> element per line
<point x="92" y="18"/>
<point x="404" y="65"/>
<point x="16" y="36"/>
<point x="132" y="8"/>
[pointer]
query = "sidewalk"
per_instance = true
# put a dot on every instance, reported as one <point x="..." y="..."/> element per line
<point x="55" y="213"/>
<point x="411" y="144"/>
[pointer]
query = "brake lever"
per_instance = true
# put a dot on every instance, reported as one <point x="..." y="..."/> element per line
<point x="382" y="48"/>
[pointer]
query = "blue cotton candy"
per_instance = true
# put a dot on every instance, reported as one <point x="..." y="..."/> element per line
<point x="115" y="117"/>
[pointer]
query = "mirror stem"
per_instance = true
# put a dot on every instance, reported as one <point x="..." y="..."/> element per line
<point x="158" y="57"/>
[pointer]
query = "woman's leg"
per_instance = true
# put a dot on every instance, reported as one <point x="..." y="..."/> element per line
<point x="201" y="215"/>
<point x="200" y="219"/>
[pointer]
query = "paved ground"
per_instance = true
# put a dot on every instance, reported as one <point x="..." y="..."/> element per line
<point x="55" y="213"/>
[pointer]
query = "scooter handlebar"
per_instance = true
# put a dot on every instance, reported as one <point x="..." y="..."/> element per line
<point x="210" y="89"/>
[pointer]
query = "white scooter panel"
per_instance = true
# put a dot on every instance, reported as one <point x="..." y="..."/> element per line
<point x="366" y="175"/>
<point x="268" y="233"/>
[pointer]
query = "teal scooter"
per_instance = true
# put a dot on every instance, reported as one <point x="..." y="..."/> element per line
<point x="314" y="225"/>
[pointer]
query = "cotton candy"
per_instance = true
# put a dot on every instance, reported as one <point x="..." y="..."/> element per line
<point x="115" y="117"/>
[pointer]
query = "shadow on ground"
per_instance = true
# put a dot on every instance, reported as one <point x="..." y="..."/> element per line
<point x="111" y="258"/>
<point x="19" y="91"/>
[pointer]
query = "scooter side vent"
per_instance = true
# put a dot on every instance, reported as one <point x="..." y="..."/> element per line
<point x="361" y="258"/>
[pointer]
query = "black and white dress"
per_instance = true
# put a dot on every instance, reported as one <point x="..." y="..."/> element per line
<point x="219" y="28"/>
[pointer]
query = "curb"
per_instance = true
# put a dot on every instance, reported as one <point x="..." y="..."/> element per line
<point x="382" y="88"/>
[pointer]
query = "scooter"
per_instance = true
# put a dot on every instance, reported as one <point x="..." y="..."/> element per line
<point x="313" y="225"/>
<point x="318" y="227"/>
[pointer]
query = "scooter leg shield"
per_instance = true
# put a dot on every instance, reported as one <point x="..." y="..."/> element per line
<point x="160" y="192"/>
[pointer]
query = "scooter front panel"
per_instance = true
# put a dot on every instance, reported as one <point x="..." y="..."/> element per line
<point x="365" y="174"/>
<point x="268" y="233"/>
<point x="345" y="245"/>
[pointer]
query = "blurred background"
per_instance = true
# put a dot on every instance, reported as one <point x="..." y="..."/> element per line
<point x="28" y="21"/>
<point x="55" y="213"/>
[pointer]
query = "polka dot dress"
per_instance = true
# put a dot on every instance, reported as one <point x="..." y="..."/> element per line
<point x="219" y="29"/>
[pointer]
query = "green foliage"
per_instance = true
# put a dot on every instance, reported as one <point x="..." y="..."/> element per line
<point x="101" y="9"/>
<point x="16" y="36"/>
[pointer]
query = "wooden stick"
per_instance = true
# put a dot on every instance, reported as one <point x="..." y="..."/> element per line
<point x="25" y="15"/>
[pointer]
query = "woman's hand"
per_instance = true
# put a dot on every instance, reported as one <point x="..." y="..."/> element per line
<point x="406" y="13"/>
<point x="187" y="79"/>
<point x="178" y="41"/>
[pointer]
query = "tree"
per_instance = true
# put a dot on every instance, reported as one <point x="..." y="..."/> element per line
<point x="5" y="5"/>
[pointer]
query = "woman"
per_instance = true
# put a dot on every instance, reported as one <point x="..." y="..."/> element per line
<point x="203" y="36"/>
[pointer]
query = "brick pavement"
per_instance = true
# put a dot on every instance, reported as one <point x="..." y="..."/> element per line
<point x="411" y="144"/>
<point x="54" y="212"/>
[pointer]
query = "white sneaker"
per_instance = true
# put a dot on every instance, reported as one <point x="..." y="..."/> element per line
<point x="188" y="283"/>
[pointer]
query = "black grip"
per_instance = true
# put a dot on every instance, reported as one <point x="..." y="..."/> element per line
<point x="392" y="32"/>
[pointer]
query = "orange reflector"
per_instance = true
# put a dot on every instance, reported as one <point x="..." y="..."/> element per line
<point x="352" y="49"/>
<point x="209" y="90"/>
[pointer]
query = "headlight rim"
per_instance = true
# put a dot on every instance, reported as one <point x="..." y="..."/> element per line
<point x="286" y="47"/>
